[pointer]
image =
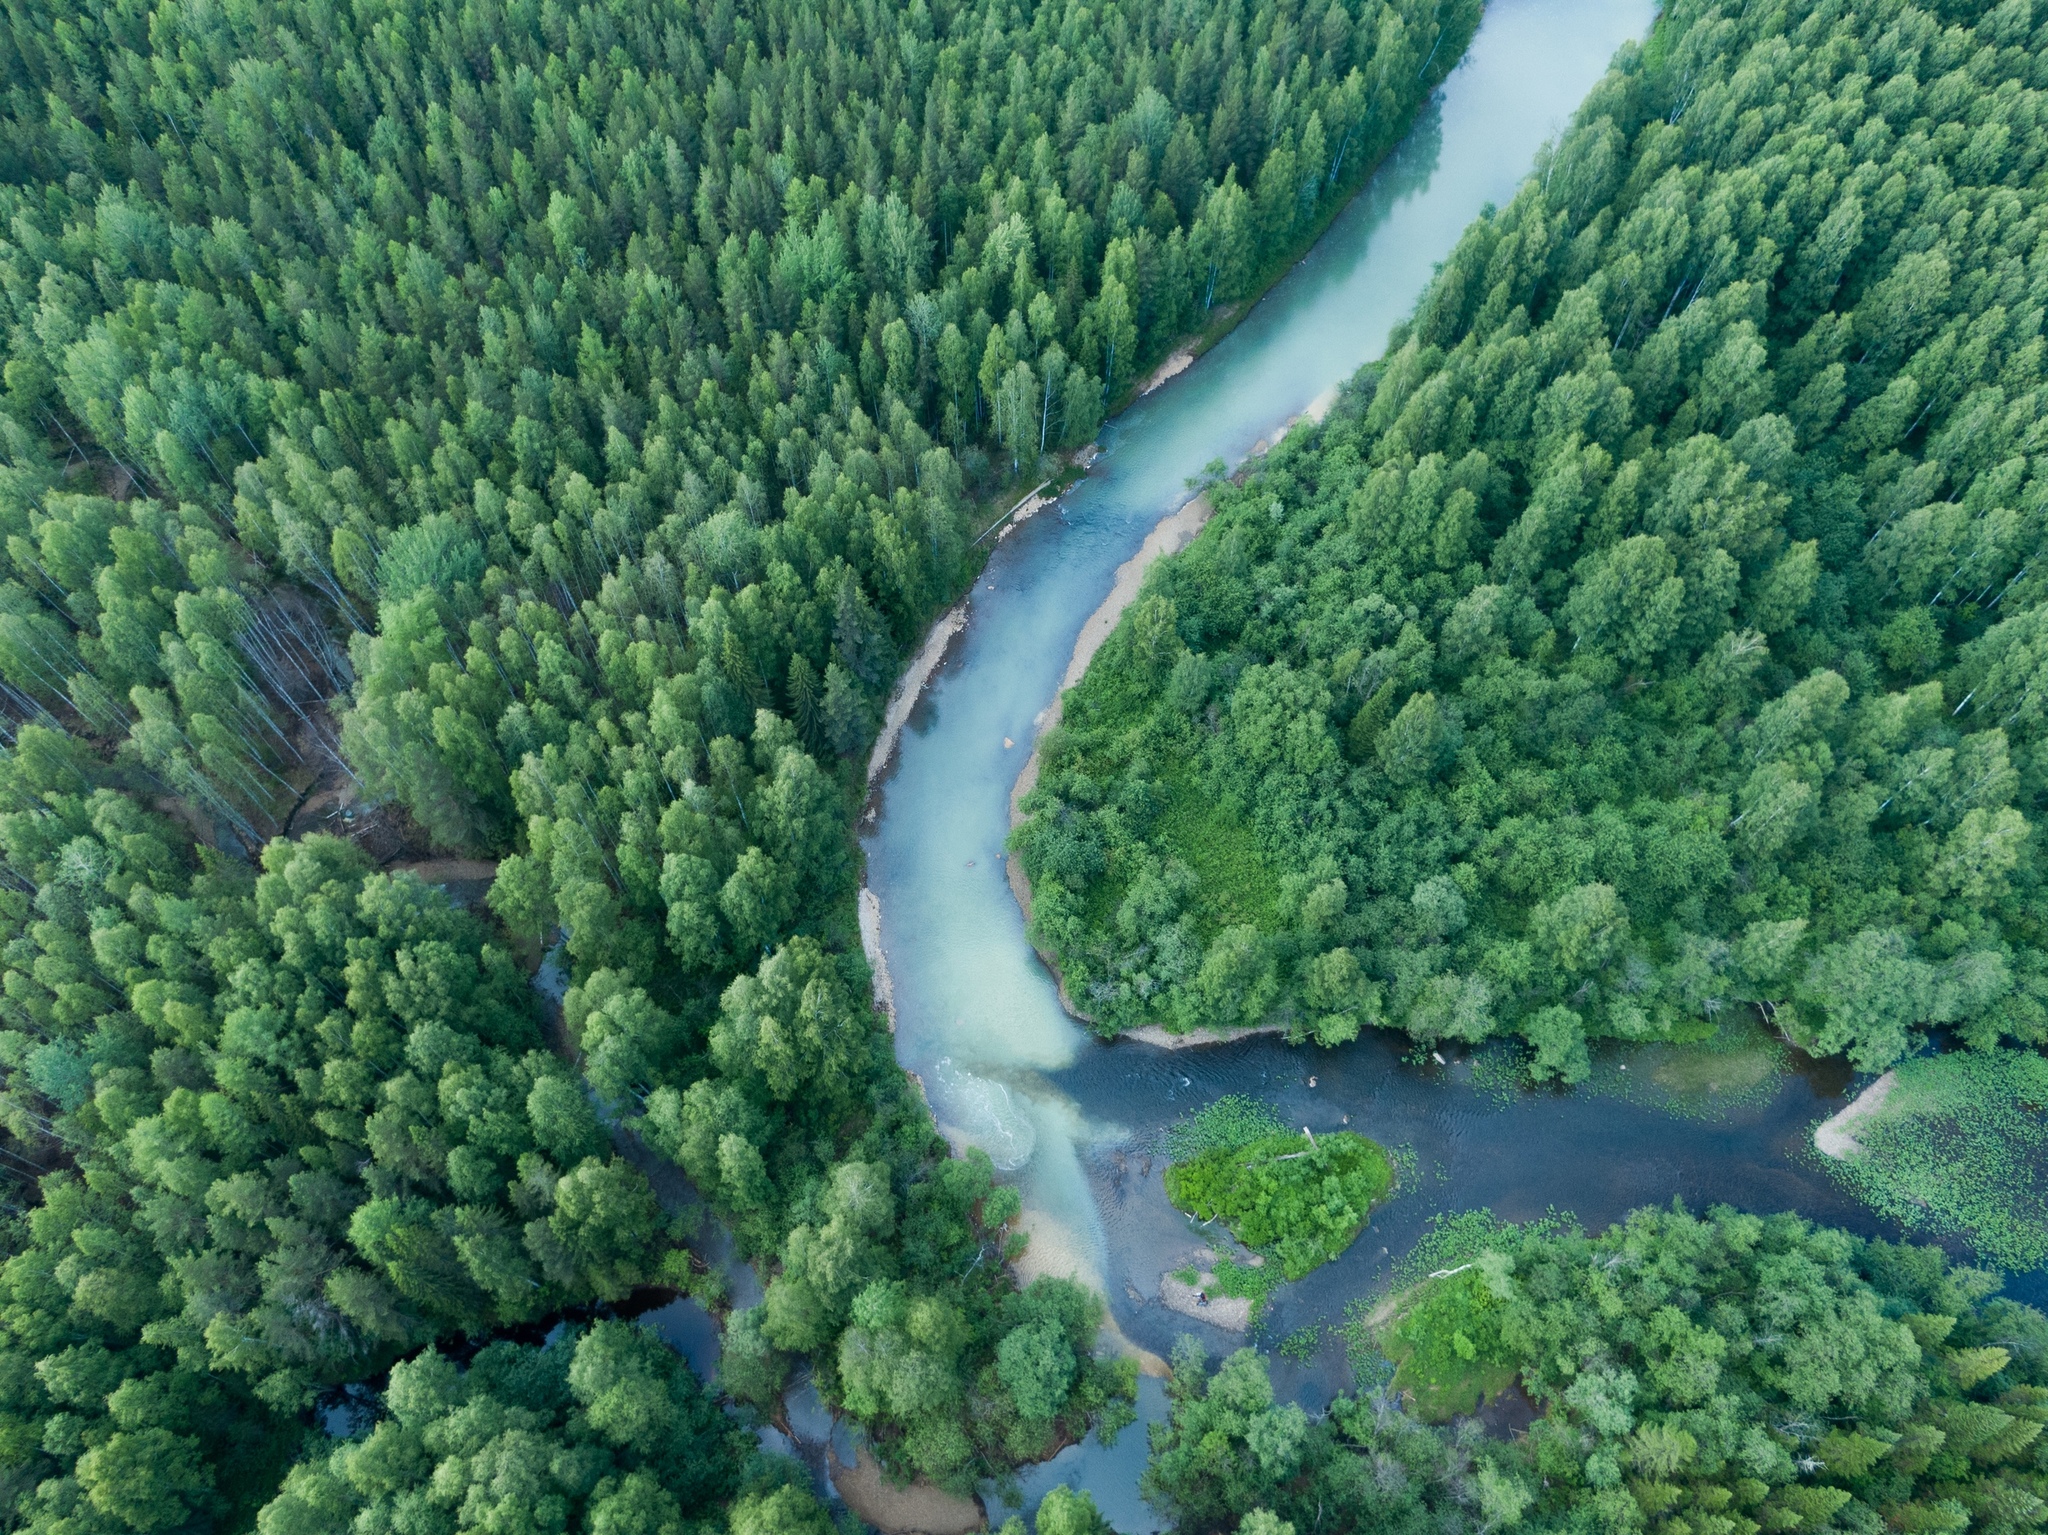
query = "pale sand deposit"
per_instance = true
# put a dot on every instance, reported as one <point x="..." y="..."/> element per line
<point x="1025" y="510"/>
<point x="1157" y="1034"/>
<point x="919" y="1509"/>
<point x="1833" y="1136"/>
<point x="1052" y="1251"/>
<point x="1232" y="1313"/>
<point x="1173" y="367"/>
<point x="913" y="681"/>
<point x="878" y="957"/>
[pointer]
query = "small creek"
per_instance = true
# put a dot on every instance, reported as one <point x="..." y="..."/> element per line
<point x="1075" y="1122"/>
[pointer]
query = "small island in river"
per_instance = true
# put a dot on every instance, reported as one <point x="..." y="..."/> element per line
<point x="1296" y="1201"/>
<point x="1302" y="1198"/>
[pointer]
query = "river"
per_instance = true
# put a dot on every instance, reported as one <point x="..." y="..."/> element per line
<point x="1075" y="1122"/>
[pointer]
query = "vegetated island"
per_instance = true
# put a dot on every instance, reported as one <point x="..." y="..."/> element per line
<point x="1296" y="1200"/>
<point x="1302" y="1197"/>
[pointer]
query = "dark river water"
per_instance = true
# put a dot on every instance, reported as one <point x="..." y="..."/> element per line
<point x="1463" y="1143"/>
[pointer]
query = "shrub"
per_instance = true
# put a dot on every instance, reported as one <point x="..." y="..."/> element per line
<point x="1302" y="1201"/>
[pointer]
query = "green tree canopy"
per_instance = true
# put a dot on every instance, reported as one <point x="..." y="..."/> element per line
<point x="1655" y="630"/>
<point x="607" y="1432"/>
<point x="1727" y="1373"/>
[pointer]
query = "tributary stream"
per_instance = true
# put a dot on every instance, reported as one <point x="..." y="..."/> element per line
<point x="1076" y="1122"/>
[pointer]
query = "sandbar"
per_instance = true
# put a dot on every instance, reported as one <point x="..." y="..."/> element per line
<point x="1833" y="1136"/>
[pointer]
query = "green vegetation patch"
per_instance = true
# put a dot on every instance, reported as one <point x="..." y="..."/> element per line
<point x="1301" y="1344"/>
<point x="1691" y="1071"/>
<point x="1500" y="1072"/>
<point x="1738" y="1065"/>
<point x="1447" y="1346"/>
<point x="1236" y="880"/>
<point x="1254" y="1282"/>
<point x="1693" y="1375"/>
<point x="1453" y="1237"/>
<point x="1960" y="1148"/>
<point x="650" y="1441"/>
<point x="1573" y="692"/>
<point x="1440" y="1327"/>
<point x="1302" y="1201"/>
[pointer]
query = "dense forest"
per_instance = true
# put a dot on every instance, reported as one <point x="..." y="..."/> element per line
<point x="608" y="375"/>
<point x="610" y="1426"/>
<point x="1657" y="630"/>
<point x="1717" y="1375"/>
<point x="537" y="432"/>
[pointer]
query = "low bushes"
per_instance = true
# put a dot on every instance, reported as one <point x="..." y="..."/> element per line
<point x="1301" y="1200"/>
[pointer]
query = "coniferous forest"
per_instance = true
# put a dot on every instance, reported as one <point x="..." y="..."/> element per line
<point x="531" y="436"/>
<point x="546" y="428"/>
<point x="1657" y="630"/>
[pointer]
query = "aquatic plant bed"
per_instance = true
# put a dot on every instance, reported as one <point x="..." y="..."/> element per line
<point x="1706" y="1072"/>
<point x="1959" y="1147"/>
<point x="1299" y="1200"/>
<point x="1232" y="1121"/>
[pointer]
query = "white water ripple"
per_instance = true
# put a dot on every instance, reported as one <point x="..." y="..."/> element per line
<point x="984" y="1113"/>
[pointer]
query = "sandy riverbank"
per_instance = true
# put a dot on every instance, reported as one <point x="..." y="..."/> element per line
<point x="911" y="685"/>
<point x="1835" y="1137"/>
<point x="1232" y="1313"/>
<point x="1171" y="534"/>
<point x="1196" y="1039"/>
<point x="1025" y="510"/>
<point x="1173" y="367"/>
<point x="878" y="957"/>
<point x="918" y="1509"/>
